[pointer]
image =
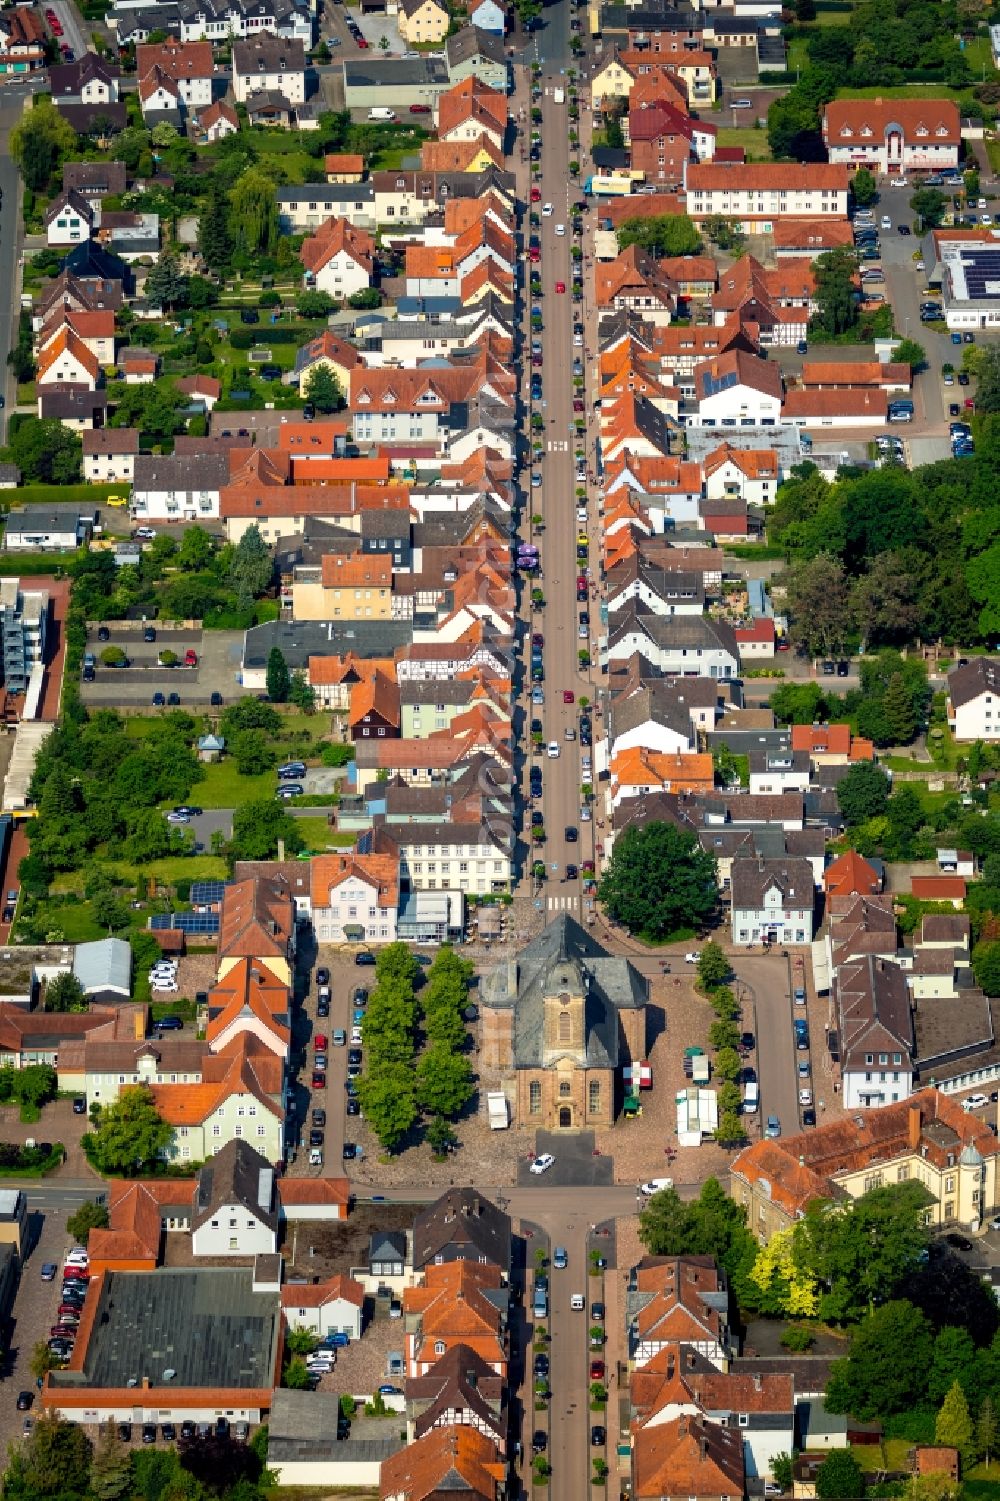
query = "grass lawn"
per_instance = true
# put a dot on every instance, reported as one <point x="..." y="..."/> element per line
<point x="166" y="872"/>
<point x="225" y="787"/>
<point x="75" y="921"/>
<point x="318" y="834"/>
<point x="982" y="1483"/>
<point x="902" y="91"/>
<point x="754" y="142"/>
<point x="993" y="152"/>
<point x="979" y="55"/>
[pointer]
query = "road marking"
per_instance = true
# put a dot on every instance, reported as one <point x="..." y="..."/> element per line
<point x="562" y="903"/>
<point x="558" y="445"/>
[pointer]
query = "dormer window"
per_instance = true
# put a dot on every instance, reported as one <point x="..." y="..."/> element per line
<point x="921" y="131"/>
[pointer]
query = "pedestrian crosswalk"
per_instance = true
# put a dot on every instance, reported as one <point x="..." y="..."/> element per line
<point x="558" y="445"/>
<point x="562" y="903"/>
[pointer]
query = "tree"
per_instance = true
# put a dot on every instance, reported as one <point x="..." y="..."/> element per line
<point x="366" y="299"/>
<point x="164" y="283"/>
<point x="909" y="352"/>
<point x="251" y="752"/>
<point x="55" y="1458"/>
<point x="867" y="1253"/>
<point x="259" y="827"/>
<point x="864" y="187"/>
<point x="662" y="235"/>
<point x="323" y="389"/>
<point x="65" y="993"/>
<point x="253" y="216"/>
<point x="713" y="966"/>
<point x="214" y="239"/>
<point x="793" y="129"/>
<point x="727" y="234"/>
<point x="36" y="1084"/>
<point x="818" y="600"/>
<point x="444" y="1081"/>
<point x="315" y="304"/>
<point x="129" y="1133"/>
<point x="387" y="1098"/>
<point x="986" y="966"/>
<point x="296" y="1375"/>
<point x="886" y="1371"/>
<point x="659" y="881"/>
<point x="897" y="706"/>
<point x="301" y="694"/>
<point x="440" y="1136"/>
<point x="782" y="1470"/>
<point x="41" y="141"/>
<point x="724" y="1034"/>
<point x="863" y="793"/>
<point x="799" y="703"/>
<point x="251" y="566"/>
<point x="986" y="1430"/>
<point x="45" y="452"/>
<point x="111" y="1465"/>
<point x="953" y="1425"/>
<point x="834" y="273"/>
<point x="89" y="1216"/>
<point x="42" y="1361"/>
<point x="155" y="409"/>
<point x="839" y="1477"/>
<point x="988" y="384"/>
<point x="277" y="677"/>
<point x="887" y="600"/>
<point x="929" y="205"/>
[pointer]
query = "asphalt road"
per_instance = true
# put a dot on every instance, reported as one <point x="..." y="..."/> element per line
<point x="555" y="502"/>
<point x="769" y="981"/>
<point x="903" y="286"/>
<point x="569" y="1417"/>
<point x="10" y="234"/>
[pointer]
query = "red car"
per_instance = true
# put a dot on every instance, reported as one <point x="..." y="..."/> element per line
<point x="536" y="195"/>
<point x="597" y="1370"/>
<point x="420" y="109"/>
<point x="362" y="43"/>
<point x="190" y="657"/>
<point x="319" y="1042"/>
<point x="560" y="286"/>
<point x="568" y="696"/>
<point x="318" y="1080"/>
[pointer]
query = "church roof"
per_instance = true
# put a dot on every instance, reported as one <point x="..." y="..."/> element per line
<point x="565" y="959"/>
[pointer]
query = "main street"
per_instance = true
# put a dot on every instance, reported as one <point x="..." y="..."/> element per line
<point x="555" y="502"/>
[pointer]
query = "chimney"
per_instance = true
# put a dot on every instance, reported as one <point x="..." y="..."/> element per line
<point x="670" y="1366"/>
<point x="146" y="1383"/>
<point x="703" y="1445"/>
<point x="913" y="1128"/>
<point x="758" y="1383"/>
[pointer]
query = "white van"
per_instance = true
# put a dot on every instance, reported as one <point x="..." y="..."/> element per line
<point x="751" y="1099"/>
<point x="380" y="112"/>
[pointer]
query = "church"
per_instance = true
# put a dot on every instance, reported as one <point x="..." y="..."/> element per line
<point x="563" y="1018"/>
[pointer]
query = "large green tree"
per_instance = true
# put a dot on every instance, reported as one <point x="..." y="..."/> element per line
<point x="277" y="678"/>
<point x="863" y="793"/>
<point x="323" y="389"/>
<point x="662" y="235"/>
<point x="41" y="141"/>
<point x="834" y="273"/>
<point x="659" y="881"/>
<point x="165" y="283"/>
<point x="251" y="565"/>
<point x="711" y="1225"/>
<point x="253" y="218"/>
<point x="864" y="187"/>
<point x="864" y="1252"/>
<point x="111" y="1465"/>
<point x="54" y="1459"/>
<point x="388" y="1100"/>
<point x="129" y="1134"/>
<point x="953" y="1426"/>
<point x="887" y="1368"/>
<point x="259" y="827"/>
<point x="65" y="993"/>
<point x="839" y="1477"/>
<point x="89" y="1216"/>
<point x="444" y="1081"/>
<point x="45" y="452"/>
<point x="214" y="239"/>
<point x="819" y="603"/>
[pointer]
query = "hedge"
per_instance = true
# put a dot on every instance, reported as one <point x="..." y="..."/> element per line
<point x="42" y="495"/>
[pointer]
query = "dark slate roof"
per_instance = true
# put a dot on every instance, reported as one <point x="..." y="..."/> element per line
<point x="207" y="1326"/>
<point x="301" y="639"/>
<point x="463" y="1217"/>
<point x="472" y="41"/>
<point x="564" y="957"/>
<point x="236" y="1175"/>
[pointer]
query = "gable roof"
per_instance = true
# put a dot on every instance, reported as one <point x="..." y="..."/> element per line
<point x="67" y="342"/>
<point x="334" y="236"/>
<point x="257" y="919"/>
<point x="248" y="991"/>
<point x="688" y="1457"/>
<point x="237" y="1174"/>
<point x="465" y="1218"/>
<point x="455" y="1459"/>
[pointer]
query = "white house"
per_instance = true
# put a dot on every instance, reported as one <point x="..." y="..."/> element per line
<point x="750" y="474"/>
<point x="755" y="194"/>
<point x="893" y="135"/>
<point x="109" y="454"/>
<point x="736" y="389"/>
<point x="235" y="1210"/>
<point x="974" y="700"/>
<point x="334" y="1306"/>
<point x="488" y="16"/>
<point x="339" y="259"/>
<point x="70" y="218"/>
<point x="181" y="71"/>
<point x="772" y="901"/>
<point x="776" y="771"/>
<point x="264" y="63"/>
<point x="872" y="1001"/>
<point x="178" y="487"/>
<point x="685" y="645"/>
<point x="355" y="898"/>
<point x="67" y="361"/>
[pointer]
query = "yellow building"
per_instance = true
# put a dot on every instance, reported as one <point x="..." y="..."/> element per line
<point x="354" y="586"/>
<point x="423" y="20"/>
<point x="613" y="81"/>
<point x="927" y="1138"/>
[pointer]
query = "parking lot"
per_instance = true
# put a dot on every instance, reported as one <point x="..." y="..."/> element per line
<point x="34" y="1314"/>
<point x="217" y="672"/>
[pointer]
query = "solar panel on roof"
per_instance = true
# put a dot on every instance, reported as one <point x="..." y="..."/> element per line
<point x="186" y="922"/>
<point x="204" y="893"/>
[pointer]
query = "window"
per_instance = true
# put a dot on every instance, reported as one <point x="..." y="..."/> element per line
<point x="594" y="1096"/>
<point x="534" y="1097"/>
<point x="565" y="1027"/>
<point x="564" y="1088"/>
<point x="439" y="1347"/>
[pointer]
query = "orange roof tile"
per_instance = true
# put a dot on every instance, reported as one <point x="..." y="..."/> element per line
<point x="453" y="1458"/>
<point x="331" y="238"/>
<point x="67" y="342"/>
<point x="360" y="570"/>
<point x="380" y="871"/>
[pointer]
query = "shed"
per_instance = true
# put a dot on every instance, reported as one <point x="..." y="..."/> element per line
<point x="211" y="747"/>
<point x="104" y="968"/>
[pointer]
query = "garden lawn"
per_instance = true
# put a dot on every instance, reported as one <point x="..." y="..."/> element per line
<point x="902" y="91"/>
<point x="754" y="142"/>
<point x="318" y="835"/>
<point x="224" y="787"/>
